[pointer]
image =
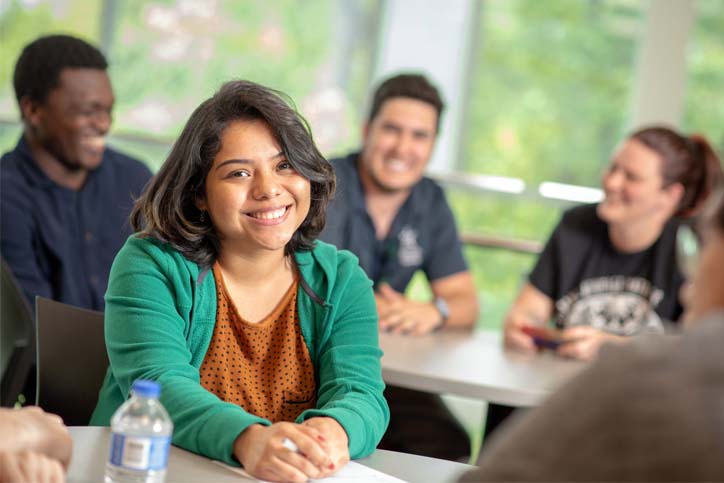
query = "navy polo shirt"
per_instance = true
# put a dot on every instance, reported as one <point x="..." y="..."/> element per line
<point x="60" y="243"/>
<point x="423" y="235"/>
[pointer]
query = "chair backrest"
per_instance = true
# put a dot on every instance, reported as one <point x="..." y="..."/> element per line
<point x="72" y="359"/>
<point x="16" y="338"/>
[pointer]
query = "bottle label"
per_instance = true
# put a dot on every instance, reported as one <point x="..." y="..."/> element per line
<point x="140" y="453"/>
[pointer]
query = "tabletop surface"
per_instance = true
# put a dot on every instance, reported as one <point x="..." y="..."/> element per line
<point x="473" y="364"/>
<point x="90" y="453"/>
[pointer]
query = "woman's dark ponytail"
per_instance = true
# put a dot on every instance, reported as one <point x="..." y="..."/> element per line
<point x="690" y="161"/>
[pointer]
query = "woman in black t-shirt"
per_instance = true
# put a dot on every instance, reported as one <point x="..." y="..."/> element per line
<point x="608" y="270"/>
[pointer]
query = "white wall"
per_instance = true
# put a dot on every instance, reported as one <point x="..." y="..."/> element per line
<point x="660" y="80"/>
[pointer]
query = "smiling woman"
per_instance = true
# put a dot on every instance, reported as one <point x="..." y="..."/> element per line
<point x="257" y="332"/>
<point x="609" y="270"/>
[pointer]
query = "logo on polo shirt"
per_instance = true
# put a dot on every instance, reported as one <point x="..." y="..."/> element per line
<point x="409" y="252"/>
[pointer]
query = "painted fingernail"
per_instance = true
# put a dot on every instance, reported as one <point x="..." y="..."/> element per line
<point x="331" y="466"/>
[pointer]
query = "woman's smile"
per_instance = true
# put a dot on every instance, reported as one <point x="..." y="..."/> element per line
<point x="270" y="216"/>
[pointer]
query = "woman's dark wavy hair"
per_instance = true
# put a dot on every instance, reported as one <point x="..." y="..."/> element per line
<point x="689" y="160"/>
<point x="167" y="210"/>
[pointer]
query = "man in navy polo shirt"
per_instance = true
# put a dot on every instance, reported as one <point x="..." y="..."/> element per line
<point x="65" y="196"/>
<point x="397" y="221"/>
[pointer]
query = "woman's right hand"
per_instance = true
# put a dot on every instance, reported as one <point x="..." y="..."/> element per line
<point x="262" y="453"/>
<point x="530" y="308"/>
<point x="514" y="336"/>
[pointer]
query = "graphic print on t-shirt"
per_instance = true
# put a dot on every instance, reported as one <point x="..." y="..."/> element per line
<point x="616" y="304"/>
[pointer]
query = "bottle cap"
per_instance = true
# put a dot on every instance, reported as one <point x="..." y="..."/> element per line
<point x="146" y="388"/>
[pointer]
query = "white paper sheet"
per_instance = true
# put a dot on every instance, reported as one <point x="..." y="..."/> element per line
<point x="352" y="472"/>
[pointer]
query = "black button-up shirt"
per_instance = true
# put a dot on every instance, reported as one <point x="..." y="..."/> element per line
<point x="60" y="243"/>
<point x="423" y="235"/>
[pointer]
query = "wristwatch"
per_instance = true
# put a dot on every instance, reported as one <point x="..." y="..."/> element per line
<point x="444" y="310"/>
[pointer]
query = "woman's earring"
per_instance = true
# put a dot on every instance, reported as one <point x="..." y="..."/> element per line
<point x="202" y="218"/>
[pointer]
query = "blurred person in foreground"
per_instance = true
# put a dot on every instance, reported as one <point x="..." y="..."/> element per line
<point x="397" y="221"/>
<point x="647" y="411"/>
<point x="65" y="197"/>
<point x="608" y="271"/>
<point x="257" y="332"/>
<point x="35" y="446"/>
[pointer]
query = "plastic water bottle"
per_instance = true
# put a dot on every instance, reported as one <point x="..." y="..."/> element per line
<point x="141" y="437"/>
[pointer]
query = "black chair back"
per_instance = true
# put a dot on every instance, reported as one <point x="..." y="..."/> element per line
<point x="16" y="339"/>
<point x="72" y="359"/>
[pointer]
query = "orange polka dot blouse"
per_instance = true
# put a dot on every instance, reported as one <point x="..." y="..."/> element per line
<point x="263" y="367"/>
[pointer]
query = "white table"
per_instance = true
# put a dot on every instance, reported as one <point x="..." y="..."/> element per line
<point x="90" y="453"/>
<point x="473" y="365"/>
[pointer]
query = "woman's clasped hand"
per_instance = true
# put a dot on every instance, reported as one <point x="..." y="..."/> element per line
<point x="318" y="448"/>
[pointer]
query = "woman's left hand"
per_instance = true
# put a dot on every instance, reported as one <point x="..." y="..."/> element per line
<point x="583" y="342"/>
<point x="335" y="442"/>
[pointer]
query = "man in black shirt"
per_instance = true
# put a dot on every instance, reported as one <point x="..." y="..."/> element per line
<point x="397" y="221"/>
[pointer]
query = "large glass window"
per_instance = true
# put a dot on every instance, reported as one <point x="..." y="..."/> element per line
<point x="549" y="91"/>
<point x="550" y="87"/>
<point x="167" y="56"/>
<point x="704" y="105"/>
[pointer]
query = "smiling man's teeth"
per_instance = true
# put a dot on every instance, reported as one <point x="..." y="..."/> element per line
<point x="397" y="165"/>
<point x="269" y="215"/>
<point x="95" y="141"/>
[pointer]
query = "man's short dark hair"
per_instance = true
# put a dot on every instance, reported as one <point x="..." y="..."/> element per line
<point x="413" y="86"/>
<point x="167" y="210"/>
<point x="37" y="71"/>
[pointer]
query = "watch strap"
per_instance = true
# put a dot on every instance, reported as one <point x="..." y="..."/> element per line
<point x="444" y="310"/>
